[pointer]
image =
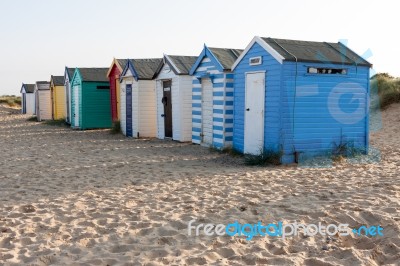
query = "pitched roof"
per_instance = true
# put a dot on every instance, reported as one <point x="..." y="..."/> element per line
<point x="29" y="88"/>
<point x="122" y="63"/>
<point x="58" y="80"/>
<point x="93" y="74"/>
<point x="70" y="71"/>
<point x="43" y="82"/>
<point x="183" y="64"/>
<point x="226" y="56"/>
<point x="146" y="68"/>
<point x="321" y="52"/>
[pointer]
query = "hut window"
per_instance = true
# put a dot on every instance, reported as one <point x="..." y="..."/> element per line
<point x="103" y="87"/>
<point x="324" y="70"/>
<point x="255" y="61"/>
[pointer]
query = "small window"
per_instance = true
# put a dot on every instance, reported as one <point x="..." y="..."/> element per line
<point x="103" y="87"/>
<point x="323" y="70"/>
<point x="255" y="61"/>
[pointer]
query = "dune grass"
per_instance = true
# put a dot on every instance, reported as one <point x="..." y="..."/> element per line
<point x="385" y="90"/>
<point x="10" y="100"/>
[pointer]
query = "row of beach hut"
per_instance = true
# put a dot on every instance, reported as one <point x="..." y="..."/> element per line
<point x="295" y="97"/>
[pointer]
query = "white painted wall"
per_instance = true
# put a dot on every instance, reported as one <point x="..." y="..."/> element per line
<point x="44" y="97"/>
<point x="144" y="92"/>
<point x="67" y="87"/>
<point x="185" y="107"/>
<point x="30" y="103"/>
<point x="181" y="93"/>
<point x="122" y="118"/>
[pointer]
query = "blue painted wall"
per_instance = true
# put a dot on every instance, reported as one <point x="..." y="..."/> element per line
<point x="272" y="98"/>
<point x="305" y="113"/>
<point x="222" y="100"/>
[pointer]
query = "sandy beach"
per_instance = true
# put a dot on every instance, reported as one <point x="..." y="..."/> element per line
<point x="71" y="197"/>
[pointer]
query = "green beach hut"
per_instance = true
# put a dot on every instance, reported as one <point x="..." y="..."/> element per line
<point x="90" y="99"/>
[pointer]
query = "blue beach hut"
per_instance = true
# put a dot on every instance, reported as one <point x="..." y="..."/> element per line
<point x="299" y="98"/>
<point x="212" y="97"/>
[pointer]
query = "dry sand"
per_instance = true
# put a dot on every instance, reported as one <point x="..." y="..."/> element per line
<point x="74" y="197"/>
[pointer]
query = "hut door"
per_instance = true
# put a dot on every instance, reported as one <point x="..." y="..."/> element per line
<point x="129" y="110"/>
<point x="254" y="113"/>
<point x="207" y="111"/>
<point x="167" y="102"/>
<point x="76" y="106"/>
<point x="24" y="103"/>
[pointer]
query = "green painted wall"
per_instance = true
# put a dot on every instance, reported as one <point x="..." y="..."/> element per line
<point x="96" y="109"/>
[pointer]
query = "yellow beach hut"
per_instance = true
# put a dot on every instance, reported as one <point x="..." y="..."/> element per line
<point x="57" y="97"/>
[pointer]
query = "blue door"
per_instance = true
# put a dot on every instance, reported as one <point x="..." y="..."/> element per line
<point x="129" y="110"/>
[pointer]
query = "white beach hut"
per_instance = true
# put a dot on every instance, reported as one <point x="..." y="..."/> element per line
<point x="28" y="99"/>
<point x="138" y="97"/>
<point x="174" y="98"/>
<point x="43" y="100"/>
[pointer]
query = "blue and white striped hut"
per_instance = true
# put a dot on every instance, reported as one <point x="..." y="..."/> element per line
<point x="212" y="97"/>
<point x="300" y="98"/>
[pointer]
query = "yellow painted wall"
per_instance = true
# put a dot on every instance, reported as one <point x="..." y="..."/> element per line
<point x="58" y="102"/>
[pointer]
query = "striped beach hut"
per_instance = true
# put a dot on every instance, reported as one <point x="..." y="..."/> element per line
<point x="114" y="74"/>
<point x="138" y="97"/>
<point x="28" y="99"/>
<point x="57" y="91"/>
<point x="43" y="100"/>
<point x="68" y="74"/>
<point x="90" y="101"/>
<point x="212" y="97"/>
<point x="299" y="98"/>
<point x="174" y="98"/>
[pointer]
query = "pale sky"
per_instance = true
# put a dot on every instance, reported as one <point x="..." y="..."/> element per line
<point x="40" y="37"/>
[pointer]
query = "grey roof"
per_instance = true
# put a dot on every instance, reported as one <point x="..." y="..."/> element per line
<point x="29" y="88"/>
<point x="122" y="63"/>
<point x="321" y="52"/>
<point x="94" y="74"/>
<point x="183" y="63"/>
<point x="43" y="82"/>
<point x="226" y="56"/>
<point x="58" y="80"/>
<point x="147" y="68"/>
<point x="71" y="71"/>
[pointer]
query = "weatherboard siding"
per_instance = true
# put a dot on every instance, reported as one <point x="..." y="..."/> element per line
<point x="222" y="104"/>
<point x="58" y="102"/>
<point x="30" y="103"/>
<point x="146" y="108"/>
<point x="312" y="123"/>
<point x="68" y="96"/>
<point x="181" y="94"/>
<point x="96" y="111"/>
<point x="273" y="71"/>
<point x="114" y="92"/>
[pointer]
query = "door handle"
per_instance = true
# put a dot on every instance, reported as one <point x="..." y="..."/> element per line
<point x="248" y="109"/>
<point x="163" y="115"/>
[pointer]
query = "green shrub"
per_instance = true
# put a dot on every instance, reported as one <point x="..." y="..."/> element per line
<point x="385" y="90"/>
<point x="264" y="158"/>
<point x="116" y="127"/>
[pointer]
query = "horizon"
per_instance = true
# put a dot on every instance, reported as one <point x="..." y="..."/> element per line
<point x="42" y="37"/>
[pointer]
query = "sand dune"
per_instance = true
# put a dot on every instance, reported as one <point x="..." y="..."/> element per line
<point x="89" y="197"/>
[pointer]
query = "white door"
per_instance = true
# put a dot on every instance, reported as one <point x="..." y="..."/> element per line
<point x="207" y="111"/>
<point x="76" y="107"/>
<point x="254" y="113"/>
